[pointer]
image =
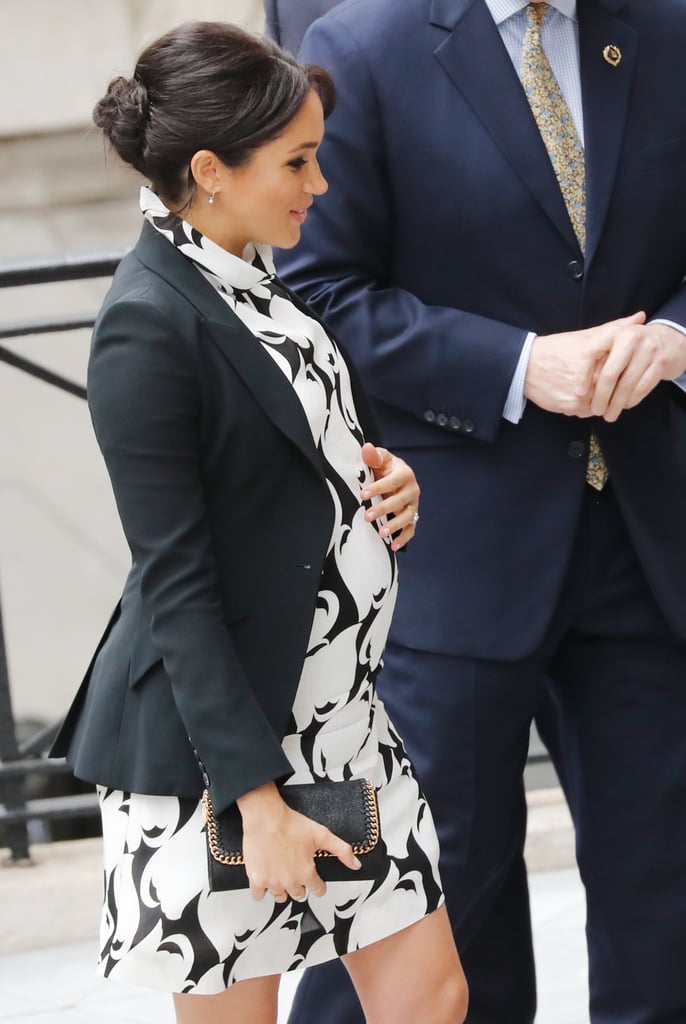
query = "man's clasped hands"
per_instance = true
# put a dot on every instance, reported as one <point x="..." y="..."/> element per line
<point x="603" y="370"/>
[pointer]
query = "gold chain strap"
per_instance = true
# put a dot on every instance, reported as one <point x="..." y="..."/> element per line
<point x="237" y="858"/>
<point x="213" y="834"/>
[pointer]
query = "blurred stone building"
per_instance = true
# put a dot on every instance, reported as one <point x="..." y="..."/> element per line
<point x="56" y="57"/>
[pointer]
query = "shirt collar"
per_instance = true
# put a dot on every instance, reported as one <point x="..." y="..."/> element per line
<point x="501" y="10"/>
<point x="231" y="272"/>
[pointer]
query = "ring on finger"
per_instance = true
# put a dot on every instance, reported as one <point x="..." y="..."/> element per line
<point x="415" y="518"/>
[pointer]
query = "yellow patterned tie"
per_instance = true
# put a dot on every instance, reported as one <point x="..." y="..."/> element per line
<point x="566" y="153"/>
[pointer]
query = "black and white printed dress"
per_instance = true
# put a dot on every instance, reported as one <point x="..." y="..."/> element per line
<point x="161" y="927"/>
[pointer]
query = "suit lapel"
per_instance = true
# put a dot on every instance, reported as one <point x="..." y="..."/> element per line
<point x="265" y="380"/>
<point x="255" y="367"/>
<point x="475" y="58"/>
<point x="606" y="93"/>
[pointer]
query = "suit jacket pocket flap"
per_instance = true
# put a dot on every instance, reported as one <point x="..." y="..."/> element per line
<point x="143" y="656"/>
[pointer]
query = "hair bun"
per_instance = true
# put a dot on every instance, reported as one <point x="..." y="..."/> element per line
<point x="122" y="114"/>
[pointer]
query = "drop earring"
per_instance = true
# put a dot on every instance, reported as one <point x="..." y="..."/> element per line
<point x="211" y="199"/>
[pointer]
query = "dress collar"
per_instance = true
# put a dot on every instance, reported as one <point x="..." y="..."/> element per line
<point x="501" y="10"/>
<point x="232" y="273"/>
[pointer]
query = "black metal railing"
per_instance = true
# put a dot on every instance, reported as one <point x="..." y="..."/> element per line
<point x="24" y="761"/>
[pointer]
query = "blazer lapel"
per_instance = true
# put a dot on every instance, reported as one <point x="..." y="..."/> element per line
<point x="264" y="379"/>
<point x="256" y="368"/>
<point x="475" y="58"/>
<point x="606" y="91"/>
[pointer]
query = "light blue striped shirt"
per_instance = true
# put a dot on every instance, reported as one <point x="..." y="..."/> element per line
<point x="560" y="37"/>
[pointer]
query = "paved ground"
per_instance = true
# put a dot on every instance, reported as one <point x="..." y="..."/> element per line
<point x="49" y="918"/>
<point x="57" y="985"/>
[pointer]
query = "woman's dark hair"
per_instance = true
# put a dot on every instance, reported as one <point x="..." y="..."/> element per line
<point x="204" y="85"/>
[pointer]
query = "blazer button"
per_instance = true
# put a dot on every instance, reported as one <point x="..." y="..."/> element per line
<point x="442" y="419"/>
<point x="468" y="426"/>
<point x="575" y="270"/>
<point x="577" y="449"/>
<point x="455" y="423"/>
<point x="430" y="416"/>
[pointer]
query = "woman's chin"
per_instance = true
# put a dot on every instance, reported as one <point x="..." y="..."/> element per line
<point x="286" y="242"/>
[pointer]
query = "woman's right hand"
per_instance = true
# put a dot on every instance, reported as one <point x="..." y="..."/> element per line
<point x="279" y="845"/>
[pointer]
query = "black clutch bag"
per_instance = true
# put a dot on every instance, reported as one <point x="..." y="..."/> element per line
<point x="349" y="809"/>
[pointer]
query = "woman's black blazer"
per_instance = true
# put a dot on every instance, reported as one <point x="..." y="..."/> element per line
<point x="223" y="501"/>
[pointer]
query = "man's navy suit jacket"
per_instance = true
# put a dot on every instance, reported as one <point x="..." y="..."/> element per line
<point x="288" y="20"/>
<point x="444" y="239"/>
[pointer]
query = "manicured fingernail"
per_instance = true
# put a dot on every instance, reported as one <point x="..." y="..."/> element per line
<point x="365" y="495"/>
<point x="357" y="863"/>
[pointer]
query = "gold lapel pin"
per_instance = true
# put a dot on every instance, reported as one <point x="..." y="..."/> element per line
<point x="612" y="55"/>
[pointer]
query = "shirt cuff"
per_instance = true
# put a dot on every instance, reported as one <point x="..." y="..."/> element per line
<point x="516" y="402"/>
<point x="679" y="381"/>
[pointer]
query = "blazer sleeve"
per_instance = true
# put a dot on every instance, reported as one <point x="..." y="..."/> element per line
<point x="411" y="355"/>
<point x="144" y="395"/>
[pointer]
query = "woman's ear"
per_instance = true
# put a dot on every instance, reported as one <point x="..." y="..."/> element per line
<point x="205" y="168"/>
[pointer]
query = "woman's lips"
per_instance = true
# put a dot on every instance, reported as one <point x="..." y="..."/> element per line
<point x="301" y="214"/>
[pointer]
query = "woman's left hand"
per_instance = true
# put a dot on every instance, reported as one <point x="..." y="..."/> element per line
<point x="397" y="486"/>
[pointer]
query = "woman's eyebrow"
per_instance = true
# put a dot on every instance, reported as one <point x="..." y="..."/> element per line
<point x="304" y="145"/>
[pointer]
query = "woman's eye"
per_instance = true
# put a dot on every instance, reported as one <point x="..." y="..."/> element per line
<point x="297" y="163"/>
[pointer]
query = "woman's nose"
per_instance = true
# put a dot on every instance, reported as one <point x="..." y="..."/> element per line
<point x="317" y="185"/>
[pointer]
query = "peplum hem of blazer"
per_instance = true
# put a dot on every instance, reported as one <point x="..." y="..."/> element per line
<point x="225" y="508"/>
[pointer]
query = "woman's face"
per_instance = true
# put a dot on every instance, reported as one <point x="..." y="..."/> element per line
<point x="266" y="200"/>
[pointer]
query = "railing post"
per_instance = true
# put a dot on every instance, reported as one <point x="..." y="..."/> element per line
<point x="12" y="789"/>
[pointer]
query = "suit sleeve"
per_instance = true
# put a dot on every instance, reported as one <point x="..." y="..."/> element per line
<point x="412" y="356"/>
<point x="144" y="396"/>
<point x="674" y="309"/>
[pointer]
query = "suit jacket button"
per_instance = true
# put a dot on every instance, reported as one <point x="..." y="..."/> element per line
<point x="430" y="416"/>
<point x="576" y="270"/>
<point x="577" y="449"/>
<point x="455" y="423"/>
<point x="468" y="426"/>
<point x="442" y="419"/>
